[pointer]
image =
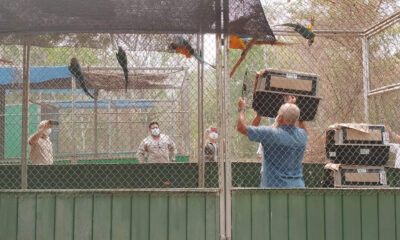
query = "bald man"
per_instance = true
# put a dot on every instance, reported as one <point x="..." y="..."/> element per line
<point x="283" y="144"/>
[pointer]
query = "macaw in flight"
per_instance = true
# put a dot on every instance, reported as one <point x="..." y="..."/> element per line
<point x="182" y="46"/>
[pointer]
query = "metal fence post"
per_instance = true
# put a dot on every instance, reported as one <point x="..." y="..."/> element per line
<point x="74" y="157"/>
<point x="25" y="116"/>
<point x="95" y="125"/>
<point x="221" y="168"/>
<point x="226" y="119"/>
<point x="365" y="77"/>
<point x="200" y="114"/>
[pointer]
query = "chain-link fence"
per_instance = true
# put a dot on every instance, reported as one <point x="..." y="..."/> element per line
<point x="344" y="83"/>
<point x="106" y="87"/>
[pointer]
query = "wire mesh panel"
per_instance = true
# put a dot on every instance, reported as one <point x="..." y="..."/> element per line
<point x="101" y="111"/>
<point x="327" y="70"/>
<point x="150" y="98"/>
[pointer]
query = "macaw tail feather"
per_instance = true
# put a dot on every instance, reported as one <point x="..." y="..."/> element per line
<point x="84" y="88"/>
<point x="88" y="93"/>
<point x="200" y="59"/>
<point x="290" y="25"/>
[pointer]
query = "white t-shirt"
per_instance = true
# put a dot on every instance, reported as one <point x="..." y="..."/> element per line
<point x="260" y="151"/>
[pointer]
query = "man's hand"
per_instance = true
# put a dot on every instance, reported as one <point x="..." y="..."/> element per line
<point x="291" y="99"/>
<point x="241" y="125"/>
<point x="242" y="103"/>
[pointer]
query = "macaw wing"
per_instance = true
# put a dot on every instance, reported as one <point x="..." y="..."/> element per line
<point x="306" y="33"/>
<point x="72" y="71"/>
<point x="182" y="41"/>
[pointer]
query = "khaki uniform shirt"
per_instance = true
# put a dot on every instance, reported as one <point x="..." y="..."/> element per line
<point x="157" y="149"/>
<point x="42" y="152"/>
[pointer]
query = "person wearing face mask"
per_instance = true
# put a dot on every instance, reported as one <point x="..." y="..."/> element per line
<point x="41" y="146"/>
<point x="158" y="147"/>
<point x="283" y="145"/>
<point x="210" y="148"/>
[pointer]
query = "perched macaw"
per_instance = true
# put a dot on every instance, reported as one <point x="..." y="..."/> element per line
<point x="76" y="70"/>
<point x="123" y="61"/>
<point x="180" y="45"/>
<point x="305" y="32"/>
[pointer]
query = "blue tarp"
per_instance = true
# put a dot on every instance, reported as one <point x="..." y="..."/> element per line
<point x="37" y="74"/>
<point x="8" y="75"/>
<point x="42" y="74"/>
<point x="50" y="91"/>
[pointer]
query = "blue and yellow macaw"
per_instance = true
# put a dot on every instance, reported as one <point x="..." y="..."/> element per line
<point x="182" y="46"/>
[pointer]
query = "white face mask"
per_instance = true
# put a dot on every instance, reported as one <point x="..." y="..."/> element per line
<point x="155" y="131"/>
<point x="213" y="135"/>
<point x="47" y="131"/>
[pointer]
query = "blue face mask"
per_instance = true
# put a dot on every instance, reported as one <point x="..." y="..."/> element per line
<point x="155" y="131"/>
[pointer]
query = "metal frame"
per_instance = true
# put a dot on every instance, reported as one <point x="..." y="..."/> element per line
<point x="111" y="111"/>
<point x="365" y="35"/>
<point x="368" y="33"/>
<point x="25" y="117"/>
<point x="223" y="106"/>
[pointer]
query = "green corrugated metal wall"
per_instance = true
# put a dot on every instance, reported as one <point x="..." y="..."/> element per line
<point x="140" y="215"/>
<point x="193" y="214"/>
<point x="13" y="129"/>
<point x="315" y="214"/>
